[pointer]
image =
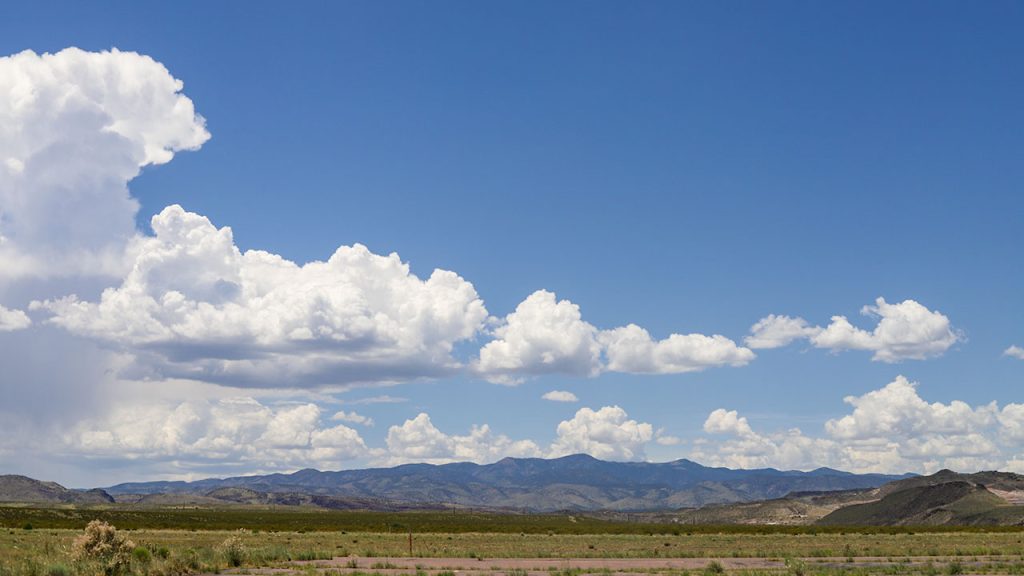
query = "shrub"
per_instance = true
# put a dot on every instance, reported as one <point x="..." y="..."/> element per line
<point x="141" y="555"/>
<point x="101" y="542"/>
<point x="233" y="550"/>
<point x="714" y="567"/>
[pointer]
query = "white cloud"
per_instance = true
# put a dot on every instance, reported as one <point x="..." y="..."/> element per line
<point x="631" y="349"/>
<point x="11" y="320"/>
<point x="607" y="434"/>
<point x="1014" y="352"/>
<point x="542" y="336"/>
<point x="905" y="331"/>
<point x="723" y="421"/>
<point x="897" y="411"/>
<point x="352" y="417"/>
<point x="382" y="399"/>
<point x="549" y="336"/>
<point x="776" y="331"/>
<point x="77" y="126"/>
<point x="418" y="440"/>
<point x="560" y="396"/>
<point x="663" y="438"/>
<point x="236" y="431"/>
<point x="890" y="430"/>
<point x="194" y="306"/>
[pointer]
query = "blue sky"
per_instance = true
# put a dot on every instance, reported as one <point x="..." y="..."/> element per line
<point x="686" y="167"/>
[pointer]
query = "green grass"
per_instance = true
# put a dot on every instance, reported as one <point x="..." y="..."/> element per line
<point x="319" y="520"/>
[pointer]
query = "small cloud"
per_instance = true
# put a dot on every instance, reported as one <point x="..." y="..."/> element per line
<point x="560" y="396"/>
<point x="353" y="417"/>
<point x="383" y="399"/>
<point x="664" y="439"/>
<point x="11" y="320"/>
<point x="1014" y="352"/>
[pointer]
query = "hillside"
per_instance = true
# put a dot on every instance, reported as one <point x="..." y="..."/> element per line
<point x="984" y="498"/>
<point x="577" y="482"/>
<point x="23" y="489"/>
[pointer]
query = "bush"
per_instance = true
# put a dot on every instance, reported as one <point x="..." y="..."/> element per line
<point x="102" y="542"/>
<point x="141" y="555"/>
<point x="714" y="567"/>
<point x="233" y="550"/>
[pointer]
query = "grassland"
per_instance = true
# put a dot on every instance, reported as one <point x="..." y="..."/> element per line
<point x="193" y="543"/>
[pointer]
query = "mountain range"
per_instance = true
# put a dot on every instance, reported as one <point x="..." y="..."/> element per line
<point x="579" y="482"/>
<point x="680" y="492"/>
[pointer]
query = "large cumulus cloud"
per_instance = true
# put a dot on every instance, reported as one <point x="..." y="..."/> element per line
<point x="75" y="127"/>
<point x="194" y="306"/>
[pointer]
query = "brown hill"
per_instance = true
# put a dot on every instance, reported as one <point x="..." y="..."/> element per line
<point x="15" y="488"/>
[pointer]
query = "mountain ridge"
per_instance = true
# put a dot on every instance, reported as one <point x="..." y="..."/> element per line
<point x="574" y="482"/>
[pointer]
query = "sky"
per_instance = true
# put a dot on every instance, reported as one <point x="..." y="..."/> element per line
<point x="246" y="237"/>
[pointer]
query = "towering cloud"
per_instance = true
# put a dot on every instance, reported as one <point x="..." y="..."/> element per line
<point x="75" y="127"/>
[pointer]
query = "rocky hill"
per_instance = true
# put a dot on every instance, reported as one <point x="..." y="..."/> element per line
<point x="24" y="489"/>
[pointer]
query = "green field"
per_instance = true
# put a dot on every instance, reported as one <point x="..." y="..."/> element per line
<point x="37" y="542"/>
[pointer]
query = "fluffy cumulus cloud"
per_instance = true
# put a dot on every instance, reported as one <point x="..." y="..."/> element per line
<point x="905" y="331"/>
<point x="891" y="429"/>
<point x="549" y="336"/>
<point x="631" y="349"/>
<point x="1014" y="352"/>
<point x="607" y="433"/>
<point x="418" y="440"/>
<point x="238" y="431"/>
<point x="11" y="320"/>
<point x="543" y="335"/>
<point x="560" y="396"/>
<point x="194" y="306"/>
<point x="776" y="331"/>
<point x="353" y="417"/>
<point x="75" y="127"/>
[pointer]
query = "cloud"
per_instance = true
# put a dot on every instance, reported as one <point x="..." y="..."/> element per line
<point x="1014" y="352"/>
<point x="777" y="331"/>
<point x="77" y="126"/>
<point x="662" y="438"/>
<point x="631" y="349"/>
<point x="905" y="331"/>
<point x="897" y="411"/>
<point x="723" y="421"/>
<point x="560" y="396"/>
<point x="549" y="336"/>
<point x="11" y="320"/>
<point x="542" y="336"/>
<point x="352" y="417"/>
<point x="890" y="430"/>
<point x="418" y="440"/>
<point x="235" y="431"/>
<point x="195" y="306"/>
<point x="607" y="434"/>
<point x="382" y="399"/>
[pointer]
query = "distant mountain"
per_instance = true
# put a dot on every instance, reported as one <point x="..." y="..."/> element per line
<point x="576" y="482"/>
<point x="946" y="497"/>
<point x="24" y="489"/>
